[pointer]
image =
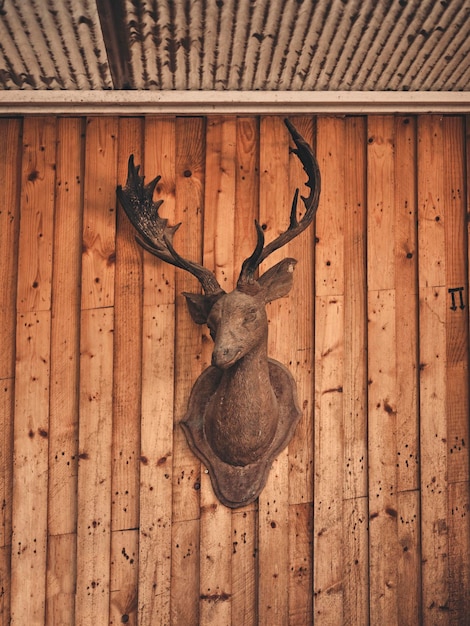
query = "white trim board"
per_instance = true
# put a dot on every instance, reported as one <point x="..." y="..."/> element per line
<point x="32" y="102"/>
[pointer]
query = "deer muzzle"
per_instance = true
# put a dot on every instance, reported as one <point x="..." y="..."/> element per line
<point x="224" y="357"/>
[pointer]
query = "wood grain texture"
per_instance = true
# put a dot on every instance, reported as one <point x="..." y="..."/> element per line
<point x="189" y="205"/>
<point x="10" y="163"/>
<point x="127" y="376"/>
<point x="32" y="376"/>
<point x="65" y="352"/>
<point x="10" y="188"/>
<point x="355" y="417"/>
<point x="219" y="227"/>
<point x="95" y="461"/>
<point x="444" y="368"/>
<point x="30" y="463"/>
<point x="99" y="213"/>
<point x="37" y="215"/>
<point x="301" y="358"/>
<point x="275" y="201"/>
<point x="329" y="376"/>
<point x="244" y="565"/>
<point x="393" y="365"/>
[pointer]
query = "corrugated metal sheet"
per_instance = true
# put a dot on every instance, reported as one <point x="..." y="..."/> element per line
<point x="299" y="45"/>
<point x="52" y="44"/>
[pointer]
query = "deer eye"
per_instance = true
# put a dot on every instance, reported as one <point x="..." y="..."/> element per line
<point x="250" y="316"/>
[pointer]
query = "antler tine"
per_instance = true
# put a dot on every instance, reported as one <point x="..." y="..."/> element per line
<point x="156" y="236"/>
<point x="310" y="166"/>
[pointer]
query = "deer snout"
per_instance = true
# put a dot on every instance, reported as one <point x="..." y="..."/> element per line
<point x="224" y="357"/>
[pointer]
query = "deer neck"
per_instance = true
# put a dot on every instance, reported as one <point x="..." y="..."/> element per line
<point x="242" y="416"/>
<point x="250" y="374"/>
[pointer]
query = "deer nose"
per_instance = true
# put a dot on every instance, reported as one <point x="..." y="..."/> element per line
<point x="219" y="355"/>
<point x="224" y="357"/>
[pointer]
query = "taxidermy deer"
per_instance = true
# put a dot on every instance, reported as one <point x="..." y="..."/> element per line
<point x="243" y="408"/>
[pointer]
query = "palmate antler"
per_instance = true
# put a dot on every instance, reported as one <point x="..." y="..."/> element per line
<point x="156" y="236"/>
<point x="310" y="165"/>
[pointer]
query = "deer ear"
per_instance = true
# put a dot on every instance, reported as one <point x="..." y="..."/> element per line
<point x="200" y="306"/>
<point x="278" y="280"/>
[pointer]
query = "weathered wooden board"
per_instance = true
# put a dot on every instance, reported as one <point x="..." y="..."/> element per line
<point x="32" y="385"/>
<point x="329" y="375"/>
<point x="94" y="470"/>
<point x="301" y="357"/>
<point x="219" y="227"/>
<point x="65" y="352"/>
<point x="127" y="374"/>
<point x="244" y="521"/>
<point x="393" y="415"/>
<point x="273" y="522"/>
<point x="10" y="188"/>
<point x="37" y="215"/>
<point x="444" y="369"/>
<point x="10" y="160"/>
<point x="189" y="204"/>
<point x="354" y="395"/>
<point x="99" y="218"/>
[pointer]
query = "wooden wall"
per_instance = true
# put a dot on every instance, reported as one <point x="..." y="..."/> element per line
<point x="106" y="516"/>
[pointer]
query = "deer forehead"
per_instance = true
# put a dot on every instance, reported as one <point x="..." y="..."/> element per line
<point x="237" y="306"/>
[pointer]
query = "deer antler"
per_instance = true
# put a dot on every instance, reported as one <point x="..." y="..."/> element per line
<point x="261" y="252"/>
<point x="156" y="235"/>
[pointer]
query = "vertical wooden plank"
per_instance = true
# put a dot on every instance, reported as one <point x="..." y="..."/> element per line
<point x="274" y="500"/>
<point x="392" y="350"/>
<point x="301" y="364"/>
<point x="63" y="431"/>
<point x="157" y="409"/>
<point x="31" y="427"/>
<point x="444" y="370"/>
<point x="96" y="373"/>
<point x="128" y="348"/>
<point x="29" y="518"/>
<point x="406" y="350"/>
<point x="61" y="578"/>
<point x="393" y="416"/>
<point x="382" y="370"/>
<point x="301" y="359"/>
<point x="184" y="596"/>
<point x="432" y="349"/>
<point x="127" y="397"/>
<point x="190" y="176"/>
<point x="156" y="465"/>
<point x="329" y="375"/>
<point x="98" y="258"/>
<point x="383" y="505"/>
<point x="244" y="566"/>
<point x="328" y="547"/>
<point x="355" y="509"/>
<point x="219" y="227"/>
<point x="434" y="530"/>
<point x="123" y="577"/>
<point x="10" y="163"/>
<point x="456" y="244"/>
<point x="244" y="520"/>
<point x="94" y="471"/>
<point x="457" y="367"/>
<point x="36" y="226"/>
<point x="300" y="560"/>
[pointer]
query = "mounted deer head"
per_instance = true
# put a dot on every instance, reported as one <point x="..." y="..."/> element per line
<point x="243" y="408"/>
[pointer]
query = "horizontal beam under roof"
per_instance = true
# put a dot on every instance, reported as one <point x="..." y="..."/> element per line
<point x="35" y="102"/>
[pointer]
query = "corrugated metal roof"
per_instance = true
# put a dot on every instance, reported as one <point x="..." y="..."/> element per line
<point x="298" y="45"/>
